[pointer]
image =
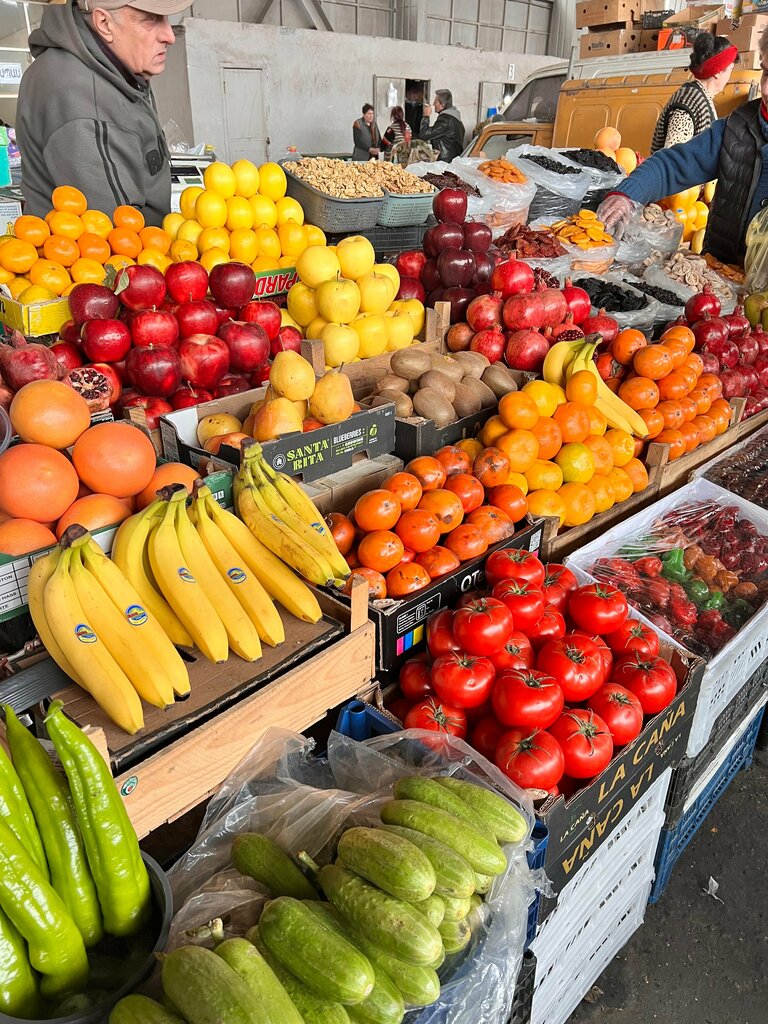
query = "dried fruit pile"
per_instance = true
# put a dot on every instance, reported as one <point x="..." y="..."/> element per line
<point x="552" y="165"/>
<point x="503" y="171"/>
<point x="450" y="180"/>
<point x="526" y="243"/>
<point x="583" y="229"/>
<point x="611" y="297"/>
<point x="593" y="158"/>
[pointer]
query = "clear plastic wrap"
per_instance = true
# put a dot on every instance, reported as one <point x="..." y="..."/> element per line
<point x="742" y="470"/>
<point x="557" y="195"/>
<point x="641" y="319"/>
<point x="559" y="267"/>
<point x="661" y="272"/>
<point x="756" y="258"/>
<point x="501" y="206"/>
<point x="667" y="311"/>
<point x="303" y="802"/>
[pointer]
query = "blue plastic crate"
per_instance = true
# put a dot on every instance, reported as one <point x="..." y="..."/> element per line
<point x="674" y="840"/>
<point x="361" y="721"/>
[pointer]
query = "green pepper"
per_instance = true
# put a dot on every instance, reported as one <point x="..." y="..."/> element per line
<point x="54" y="812"/>
<point x="18" y="985"/>
<point x="674" y="566"/>
<point x="698" y="591"/>
<point x="55" y="945"/>
<point x="716" y="600"/>
<point x="17" y="814"/>
<point x="120" y="874"/>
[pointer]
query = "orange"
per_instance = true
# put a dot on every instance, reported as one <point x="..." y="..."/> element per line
<point x="518" y="411"/>
<point x="579" y="504"/>
<point x="128" y="217"/>
<point x="549" y="436"/>
<point x="492" y="431"/>
<point x="154" y="258"/>
<point x="125" y="242"/>
<point x="602" y="453"/>
<point x="18" y="286"/>
<point x="183" y="252"/>
<point x="598" y="424"/>
<point x="213" y="258"/>
<point x="521" y="448"/>
<point x="119" y="262"/>
<point x="168" y="473"/>
<point x="61" y="250"/>
<point x="94" y="512"/>
<point x="18" y="257"/>
<point x="637" y="473"/>
<point x="69" y="200"/>
<point x="31" y="229"/>
<point x="621" y="484"/>
<point x="36" y="482"/>
<point x="67" y="224"/>
<point x="675" y="440"/>
<point x="94" y="247"/>
<point x="544" y="475"/>
<point x="581" y="388"/>
<point x="86" y="271"/>
<point x="114" y="458"/>
<point x="622" y="445"/>
<point x="50" y="275"/>
<point x="518" y="480"/>
<point x="471" y="446"/>
<point x="35" y="293"/>
<point x="544" y="395"/>
<point x="50" y="413"/>
<point x="601" y="488"/>
<point x="576" y="462"/>
<point x="573" y="421"/>
<point x="654" y="421"/>
<point x="155" y="238"/>
<point x="96" y="223"/>
<point x="546" y="503"/>
<point x="22" y="536"/>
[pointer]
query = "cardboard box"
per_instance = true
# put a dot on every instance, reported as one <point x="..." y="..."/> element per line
<point x="610" y="43"/>
<point x="753" y="7"/>
<point x="649" y="40"/>
<point x="750" y="61"/>
<point x="592" y="13"/>
<point x="699" y="16"/>
<point x="747" y="36"/>
<point x="35" y="319"/>
<point x="274" y="282"/>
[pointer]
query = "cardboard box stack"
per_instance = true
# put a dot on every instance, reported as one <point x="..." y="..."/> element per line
<point x="746" y="37"/>
<point x="680" y="30"/>
<point x="615" y="27"/>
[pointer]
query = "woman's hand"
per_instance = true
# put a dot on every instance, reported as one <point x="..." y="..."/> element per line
<point x="373" y="151"/>
<point x="615" y="212"/>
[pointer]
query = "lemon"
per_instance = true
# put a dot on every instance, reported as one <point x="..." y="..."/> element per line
<point x="577" y="463"/>
<point x="183" y="252"/>
<point x="214" y="238"/>
<point x="171" y="224"/>
<point x="292" y="239"/>
<point x="35" y="293"/>
<point x="6" y="276"/>
<point x="264" y="212"/>
<point x="289" y="209"/>
<point x="272" y="181"/>
<point x="244" y="245"/>
<point x="220" y="178"/>
<point x="213" y="258"/>
<point x="286" y="261"/>
<point x="269" y="243"/>
<point x="239" y="213"/>
<point x="314" y="235"/>
<point x="211" y="210"/>
<point x="545" y="397"/>
<point x="246" y="178"/>
<point x="189" y="197"/>
<point x="189" y="231"/>
<point x="154" y="258"/>
<point x="264" y="265"/>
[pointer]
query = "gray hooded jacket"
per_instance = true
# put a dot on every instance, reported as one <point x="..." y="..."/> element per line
<point x="83" y="122"/>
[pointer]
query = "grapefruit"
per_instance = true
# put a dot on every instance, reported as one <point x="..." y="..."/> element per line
<point x="94" y="511"/>
<point x="21" y="536"/>
<point x="607" y="138"/>
<point x="164" y="476"/>
<point x="50" y="413"/>
<point x="36" y="482"/>
<point x="114" y="458"/>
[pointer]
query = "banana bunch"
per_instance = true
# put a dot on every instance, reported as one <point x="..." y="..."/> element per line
<point x="96" y="627"/>
<point x="568" y="357"/>
<point x="277" y="511"/>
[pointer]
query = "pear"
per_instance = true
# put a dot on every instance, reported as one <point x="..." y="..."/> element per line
<point x="276" y="417"/>
<point x="332" y="400"/>
<point x="292" y="376"/>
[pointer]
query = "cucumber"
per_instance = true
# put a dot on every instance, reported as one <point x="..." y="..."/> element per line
<point x="390" y="923"/>
<point x="475" y="902"/>
<point x="437" y="964"/>
<point x="483" y="883"/>
<point x="429" y="791"/>
<point x="455" y="935"/>
<point x="205" y="989"/>
<point x="262" y="859"/>
<point x="325" y="961"/>
<point x="312" y="1008"/>
<point x="456" y="910"/>
<point x="504" y="820"/>
<point x="433" y="908"/>
<point x="388" y="861"/>
<point x="454" y="877"/>
<point x="274" y="1003"/>
<point x="137" y="1009"/>
<point x="482" y="854"/>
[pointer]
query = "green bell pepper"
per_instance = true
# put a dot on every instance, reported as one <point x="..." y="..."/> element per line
<point x="674" y="566"/>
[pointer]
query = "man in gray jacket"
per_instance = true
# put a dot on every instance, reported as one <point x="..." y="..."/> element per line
<point x="86" y="113"/>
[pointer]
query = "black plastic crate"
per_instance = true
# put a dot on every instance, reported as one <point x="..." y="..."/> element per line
<point x="523" y="1001"/>
<point x="655" y="19"/>
<point x="387" y="241"/>
<point x="690" y="769"/>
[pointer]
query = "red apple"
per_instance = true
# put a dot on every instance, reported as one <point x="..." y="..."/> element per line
<point x="288" y="340"/>
<point x="477" y="236"/>
<point x="409" y="263"/>
<point x="105" y="341"/>
<point x="199" y="317"/>
<point x="450" y="206"/>
<point x="483" y="271"/>
<point x="204" y="360"/>
<point x="69" y="355"/>
<point x="187" y="397"/>
<point x="154" y="327"/>
<point x="92" y="302"/>
<point x="232" y="384"/>
<point x="232" y="284"/>
<point x="223" y="313"/>
<point x="145" y="287"/>
<point x="154" y="407"/>
<point x="109" y="370"/>
<point x="261" y="376"/>
<point x="456" y="267"/>
<point x="155" y="370"/>
<point x="430" y="276"/>
<point x="459" y="299"/>
<point x="265" y="313"/>
<point x="411" y="288"/>
<point x="248" y="345"/>
<point x="441" y="237"/>
<point x="187" y="281"/>
<point x="70" y="331"/>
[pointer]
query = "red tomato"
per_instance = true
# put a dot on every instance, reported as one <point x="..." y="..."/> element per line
<point x="517" y="652"/>
<point x="433" y="716"/>
<point x="561" y="574"/>
<point x="555" y="593"/>
<point x="634" y="636"/>
<point x="531" y="758"/>
<point x="605" y="651"/>
<point x="598" y="608"/>
<point x="485" y="736"/>
<point x="524" y="600"/>
<point x="440" y="638"/>
<point x="461" y="680"/>
<point x="399" y="707"/>
<point x="621" y="711"/>
<point x="514" y="564"/>
<point x="468" y="598"/>
<point x="415" y="680"/>
<point x="528" y="699"/>
<point x="652" y="680"/>
<point x="551" y="626"/>
<point x="475" y="714"/>
<point x="585" y="741"/>
<point x="575" y="663"/>
<point x="483" y="626"/>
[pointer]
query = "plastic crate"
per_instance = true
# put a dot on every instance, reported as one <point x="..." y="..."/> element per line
<point x="690" y="769"/>
<point x="403" y="211"/>
<point x="387" y="241"/>
<point x="710" y="788"/>
<point x="521" y="1005"/>
<point x="328" y="213"/>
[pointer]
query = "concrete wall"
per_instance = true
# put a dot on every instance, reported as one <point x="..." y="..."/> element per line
<point x="316" y="82"/>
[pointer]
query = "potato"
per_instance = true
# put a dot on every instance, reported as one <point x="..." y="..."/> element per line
<point x="473" y="363"/>
<point x="403" y="404"/>
<point x="391" y="382"/>
<point x="466" y="400"/>
<point x="499" y="379"/>
<point x="410" y="363"/>
<point x="439" y="382"/>
<point x="448" y="365"/>
<point x="432" y="406"/>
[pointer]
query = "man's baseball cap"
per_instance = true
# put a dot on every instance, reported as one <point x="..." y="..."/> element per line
<point x="150" y="6"/>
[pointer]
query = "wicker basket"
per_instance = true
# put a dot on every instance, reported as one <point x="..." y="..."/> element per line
<point x="403" y="211"/>
<point x="330" y="214"/>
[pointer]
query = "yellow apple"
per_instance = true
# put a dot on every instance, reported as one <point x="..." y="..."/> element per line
<point x="217" y="424"/>
<point x="371" y="329"/>
<point x="317" y="264"/>
<point x="390" y="271"/>
<point x="338" y="301"/>
<point x="356" y="256"/>
<point x="286" y="320"/>
<point x="340" y="342"/>
<point x="313" y="330"/>
<point x="416" y="312"/>
<point x="399" y="331"/>
<point x="375" y="293"/>
<point x="302" y="304"/>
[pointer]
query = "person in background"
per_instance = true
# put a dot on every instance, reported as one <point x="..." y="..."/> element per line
<point x="86" y="113"/>
<point x="692" y="108"/>
<point x="399" y="130"/>
<point x="366" y="136"/>
<point x="446" y="135"/>
<point x="734" y="150"/>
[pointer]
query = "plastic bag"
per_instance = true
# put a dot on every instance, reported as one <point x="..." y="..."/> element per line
<point x="756" y="258"/>
<point x="500" y="206"/>
<point x="656" y="273"/>
<point x="303" y="802"/>
<point x="559" y="267"/>
<point x="557" y="195"/>
<point x="641" y="319"/>
<point x="667" y="311"/>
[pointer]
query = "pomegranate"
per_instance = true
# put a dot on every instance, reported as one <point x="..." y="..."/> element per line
<point x="514" y="277"/>
<point x="68" y="355"/>
<point x="6" y="397"/>
<point x="489" y="344"/>
<point x="734" y="385"/>
<point x="21" y="362"/>
<point x="761" y="365"/>
<point x="761" y="337"/>
<point x="751" y="377"/>
<point x="578" y="302"/>
<point x="748" y="347"/>
<point x="566" y="331"/>
<point x="603" y="325"/>
<point x="526" y="350"/>
<point x="484" y="313"/>
<point x="459" y="299"/>
<point x="738" y="325"/>
<point x="115" y="374"/>
<point x="710" y="331"/>
<point x="92" y="385"/>
<point x="555" y="306"/>
<point x="710" y="361"/>
<point x="703" y="302"/>
<point x="458" y="338"/>
<point x="523" y="312"/>
<point x="544" y="280"/>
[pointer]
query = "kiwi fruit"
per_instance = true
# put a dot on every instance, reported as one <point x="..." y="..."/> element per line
<point x="499" y="379"/>
<point x="439" y="382"/>
<point x="433" y="406"/>
<point x="403" y="404"/>
<point x="448" y="365"/>
<point x="466" y="400"/>
<point x="473" y="363"/>
<point x="391" y="382"/>
<point x="410" y="363"/>
<point x="484" y="394"/>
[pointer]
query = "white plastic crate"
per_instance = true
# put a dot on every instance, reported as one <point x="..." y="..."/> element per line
<point x="731" y="667"/>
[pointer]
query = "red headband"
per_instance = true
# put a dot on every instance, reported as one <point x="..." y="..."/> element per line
<point x="714" y="65"/>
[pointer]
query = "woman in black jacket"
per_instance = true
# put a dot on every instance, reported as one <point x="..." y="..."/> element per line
<point x="366" y="136"/>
